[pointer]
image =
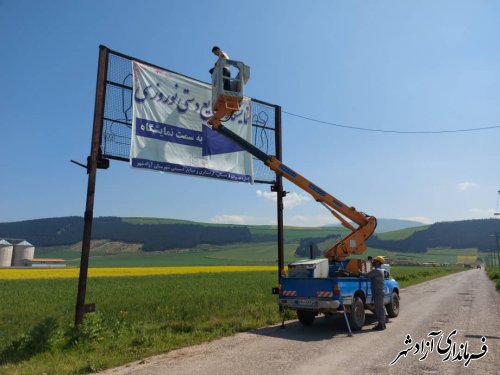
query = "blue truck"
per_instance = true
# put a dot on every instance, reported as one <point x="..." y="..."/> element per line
<point x="316" y="286"/>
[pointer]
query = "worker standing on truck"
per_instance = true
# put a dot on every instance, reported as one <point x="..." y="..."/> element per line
<point x="376" y="277"/>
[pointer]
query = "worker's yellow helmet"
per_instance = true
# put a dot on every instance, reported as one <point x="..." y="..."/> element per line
<point x="380" y="259"/>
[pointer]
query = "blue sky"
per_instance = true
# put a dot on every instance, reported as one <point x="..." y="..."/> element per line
<point x="392" y="65"/>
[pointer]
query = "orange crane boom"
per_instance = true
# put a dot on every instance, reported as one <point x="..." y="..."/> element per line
<point x="354" y="242"/>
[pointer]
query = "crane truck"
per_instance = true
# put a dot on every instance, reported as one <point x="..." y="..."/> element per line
<point x="316" y="286"/>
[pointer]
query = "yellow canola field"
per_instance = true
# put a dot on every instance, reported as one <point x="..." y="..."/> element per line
<point x="65" y="273"/>
<point x="466" y="259"/>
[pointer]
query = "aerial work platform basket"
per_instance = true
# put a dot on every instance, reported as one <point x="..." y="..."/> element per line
<point x="227" y="92"/>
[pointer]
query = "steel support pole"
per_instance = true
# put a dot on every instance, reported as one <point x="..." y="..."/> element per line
<point x="279" y="192"/>
<point x="92" y="172"/>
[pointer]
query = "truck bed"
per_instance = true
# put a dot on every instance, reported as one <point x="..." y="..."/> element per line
<point x="311" y="293"/>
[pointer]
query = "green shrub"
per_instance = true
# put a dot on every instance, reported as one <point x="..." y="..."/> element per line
<point x="37" y="340"/>
<point x="92" y="330"/>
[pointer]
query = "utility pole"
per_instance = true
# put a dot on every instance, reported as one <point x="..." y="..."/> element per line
<point x="496" y="234"/>
<point x="92" y="165"/>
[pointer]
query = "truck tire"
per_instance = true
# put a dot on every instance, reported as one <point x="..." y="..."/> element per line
<point x="306" y="317"/>
<point x="393" y="306"/>
<point x="356" y="314"/>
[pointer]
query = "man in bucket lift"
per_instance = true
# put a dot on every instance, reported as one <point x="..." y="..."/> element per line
<point x="376" y="277"/>
<point x="225" y="71"/>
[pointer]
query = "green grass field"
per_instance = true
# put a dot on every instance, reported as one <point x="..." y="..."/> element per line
<point x="494" y="274"/>
<point x="263" y="253"/>
<point x="136" y="316"/>
<point x="260" y="253"/>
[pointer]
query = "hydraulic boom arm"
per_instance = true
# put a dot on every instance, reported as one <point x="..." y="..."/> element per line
<point x="227" y="94"/>
<point x="353" y="242"/>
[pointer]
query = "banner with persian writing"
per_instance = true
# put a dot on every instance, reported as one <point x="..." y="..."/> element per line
<point x="170" y="131"/>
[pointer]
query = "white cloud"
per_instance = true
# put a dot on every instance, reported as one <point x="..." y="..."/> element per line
<point x="296" y="220"/>
<point x="291" y="200"/>
<point x="482" y="211"/>
<point x="294" y="199"/>
<point x="242" y="220"/>
<point x="228" y="219"/>
<point x="310" y="220"/>
<point x="421" y="219"/>
<point x="464" y="186"/>
<point x="266" y="195"/>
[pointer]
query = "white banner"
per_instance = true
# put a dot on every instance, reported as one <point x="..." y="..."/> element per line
<point x="170" y="131"/>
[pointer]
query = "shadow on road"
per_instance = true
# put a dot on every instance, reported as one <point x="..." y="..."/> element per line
<point x="323" y="328"/>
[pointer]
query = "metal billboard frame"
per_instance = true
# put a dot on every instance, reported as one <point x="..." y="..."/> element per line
<point x="98" y="159"/>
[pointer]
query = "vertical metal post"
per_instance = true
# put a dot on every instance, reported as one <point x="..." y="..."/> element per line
<point x="279" y="192"/>
<point x="92" y="171"/>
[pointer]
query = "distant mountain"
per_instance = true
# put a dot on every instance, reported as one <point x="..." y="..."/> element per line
<point x="389" y="225"/>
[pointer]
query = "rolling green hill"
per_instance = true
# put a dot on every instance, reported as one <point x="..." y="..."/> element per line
<point x="154" y="234"/>
<point x="455" y="234"/>
<point x="163" y="242"/>
<point x="400" y="234"/>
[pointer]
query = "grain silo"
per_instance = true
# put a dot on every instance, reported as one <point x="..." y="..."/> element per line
<point x="22" y="251"/>
<point x="5" y="253"/>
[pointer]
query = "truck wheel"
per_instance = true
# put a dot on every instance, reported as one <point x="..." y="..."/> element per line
<point x="393" y="306"/>
<point x="306" y="317"/>
<point x="356" y="314"/>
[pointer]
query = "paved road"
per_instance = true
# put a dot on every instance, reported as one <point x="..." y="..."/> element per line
<point x="466" y="301"/>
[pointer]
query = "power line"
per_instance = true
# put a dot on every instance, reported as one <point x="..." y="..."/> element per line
<point x="391" y="131"/>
